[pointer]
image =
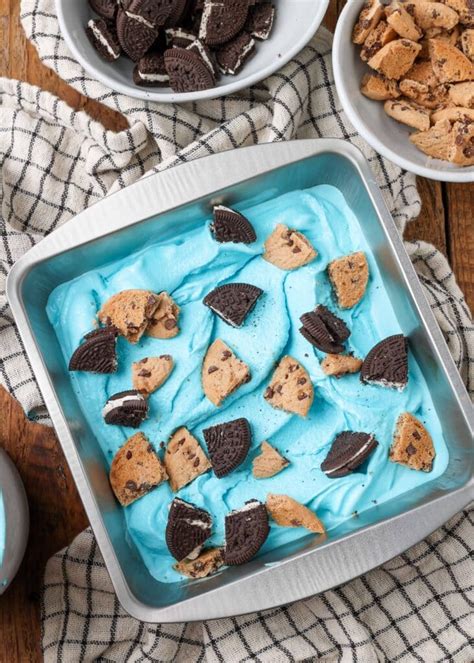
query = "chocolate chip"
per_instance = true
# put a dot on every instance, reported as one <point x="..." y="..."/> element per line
<point x="269" y="393"/>
<point x="416" y="435"/>
<point x="144" y="374"/>
<point x="301" y="381"/>
<point x="170" y="323"/>
<point x="212" y="369"/>
<point x="128" y="455"/>
<point x="296" y="249"/>
<point x="196" y="462"/>
<point x="302" y="395"/>
<point x="226" y="354"/>
<point x="411" y="450"/>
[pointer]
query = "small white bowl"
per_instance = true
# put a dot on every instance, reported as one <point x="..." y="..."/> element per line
<point x="295" y="23"/>
<point x="14" y="521"/>
<point x="387" y="136"/>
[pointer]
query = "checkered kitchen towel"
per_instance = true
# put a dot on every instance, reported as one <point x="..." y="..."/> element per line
<point x="55" y="162"/>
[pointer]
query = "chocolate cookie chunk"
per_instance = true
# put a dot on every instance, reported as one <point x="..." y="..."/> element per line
<point x="233" y="302"/>
<point x="130" y="311"/>
<point x="152" y="13"/>
<point x="221" y="21"/>
<point x="268" y="463"/>
<point x="178" y="11"/>
<point x="126" y="408"/>
<point x="150" y="373"/>
<point x="97" y="353"/>
<point x="412" y="444"/>
<point x="105" y="8"/>
<point x="246" y="530"/>
<point x="208" y="563"/>
<point x="288" y="249"/>
<point x="349" y="276"/>
<point x="231" y="226"/>
<point x="260" y="20"/>
<point x="205" y="53"/>
<point x="164" y="321"/>
<point x="228" y="445"/>
<point x="184" y="459"/>
<point x="187" y="529"/>
<point x="135" y="37"/>
<point x="348" y="451"/>
<point x="324" y="330"/>
<point x="222" y="372"/>
<point x="179" y="37"/>
<point x="287" y="512"/>
<point x="291" y="388"/>
<point x="232" y="56"/>
<point x="187" y="71"/>
<point x="103" y="39"/>
<point x="387" y="363"/>
<point x="135" y="470"/>
<point x="151" y="71"/>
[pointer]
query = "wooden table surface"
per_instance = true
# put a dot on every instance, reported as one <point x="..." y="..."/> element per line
<point x="57" y="516"/>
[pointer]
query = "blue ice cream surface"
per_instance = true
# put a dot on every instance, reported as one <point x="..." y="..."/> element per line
<point x="190" y="266"/>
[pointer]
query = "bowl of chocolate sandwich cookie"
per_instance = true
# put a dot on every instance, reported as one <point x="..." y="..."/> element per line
<point x="186" y="50"/>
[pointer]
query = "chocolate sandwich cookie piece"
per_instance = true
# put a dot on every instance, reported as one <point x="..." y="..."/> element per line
<point x="349" y="276"/>
<point x="179" y="37"/>
<point x="197" y="46"/>
<point x="164" y="321"/>
<point x="324" y="330"/>
<point x="177" y="14"/>
<point x="97" y="353"/>
<point x="290" y="388"/>
<point x="222" y="372"/>
<point x="126" y="408"/>
<point x="184" y="459"/>
<point x="288" y="249"/>
<point x="208" y="563"/>
<point x="260" y="20"/>
<point x="348" y="451"/>
<point x="412" y="444"/>
<point x="105" y="8"/>
<point x="386" y="364"/>
<point x="246" y="531"/>
<point x="130" y="311"/>
<point x="150" y="373"/>
<point x="151" y="13"/>
<point x="233" y="302"/>
<point x="135" y="470"/>
<point x="187" y="71"/>
<point x="229" y="225"/>
<point x="150" y="71"/>
<point x="187" y="529"/>
<point x="135" y="37"/>
<point x="268" y="463"/>
<point x="228" y="445"/>
<point x="287" y="512"/>
<point x="222" y="20"/>
<point x="232" y="55"/>
<point x="104" y="40"/>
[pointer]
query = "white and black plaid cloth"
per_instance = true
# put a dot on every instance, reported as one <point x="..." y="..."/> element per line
<point x="55" y="162"/>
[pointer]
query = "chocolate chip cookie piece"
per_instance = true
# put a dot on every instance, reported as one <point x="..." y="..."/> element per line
<point x="412" y="444"/>
<point x="246" y="531"/>
<point x="222" y="372"/>
<point x="130" y="311"/>
<point x="228" y="445"/>
<point x="369" y="17"/>
<point x="287" y="512"/>
<point x="268" y="463"/>
<point x="288" y="249"/>
<point x="290" y="388"/>
<point x="150" y="373"/>
<point x="348" y="451"/>
<point x="233" y="302"/>
<point x="135" y="470"/>
<point x="184" y="459"/>
<point x="229" y="225"/>
<point x="188" y="528"/>
<point x="435" y="142"/>
<point x="103" y="39"/>
<point x="395" y="58"/>
<point x="97" y="353"/>
<point x="379" y="88"/>
<point x="386" y="364"/>
<point x="449" y="63"/>
<point x="462" y="146"/>
<point x="164" y="321"/>
<point x="349" y="276"/>
<point x="222" y="20"/>
<point x="126" y="408"/>
<point x="324" y="330"/>
<point x="339" y="365"/>
<point x="209" y="562"/>
<point x="408" y="113"/>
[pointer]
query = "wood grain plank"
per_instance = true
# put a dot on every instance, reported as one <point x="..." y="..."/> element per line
<point x="430" y="225"/>
<point x="460" y="207"/>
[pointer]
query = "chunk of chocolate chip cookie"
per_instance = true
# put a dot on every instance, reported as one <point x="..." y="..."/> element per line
<point x="324" y="330"/>
<point x="290" y="388"/>
<point x="135" y="470"/>
<point x="338" y="365"/>
<point x="412" y="444"/>
<point x="246" y="531"/>
<point x="268" y="463"/>
<point x="369" y="17"/>
<point x="150" y="373"/>
<point x="130" y="311"/>
<point x="287" y="512"/>
<point x="228" y="445"/>
<point x="184" y="459"/>
<point x="222" y="372"/>
<point x="288" y="249"/>
<point x="348" y="451"/>
<point x="386" y="364"/>
<point x="97" y="353"/>
<point x="126" y="408"/>
<point x="233" y="302"/>
<point x="349" y="276"/>
<point x="164" y="321"/>
<point x="187" y="529"/>
<point x="208" y="563"/>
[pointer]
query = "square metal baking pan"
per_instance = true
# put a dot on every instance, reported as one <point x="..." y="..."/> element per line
<point x="183" y="196"/>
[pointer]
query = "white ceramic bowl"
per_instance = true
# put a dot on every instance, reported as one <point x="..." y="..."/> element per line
<point x="15" y="515"/>
<point x="385" y="135"/>
<point x="296" y="22"/>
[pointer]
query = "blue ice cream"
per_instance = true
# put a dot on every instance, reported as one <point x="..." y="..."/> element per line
<point x="188" y="268"/>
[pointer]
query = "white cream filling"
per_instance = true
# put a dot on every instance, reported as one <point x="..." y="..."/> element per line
<point x="208" y="7"/>
<point x="100" y="38"/>
<point x="179" y="33"/>
<point x="360" y="452"/>
<point x="241" y="58"/>
<point x="202" y="52"/>
<point x="140" y="19"/>
<point x="264" y="34"/>
<point x="118" y="402"/>
<point x="154" y="78"/>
